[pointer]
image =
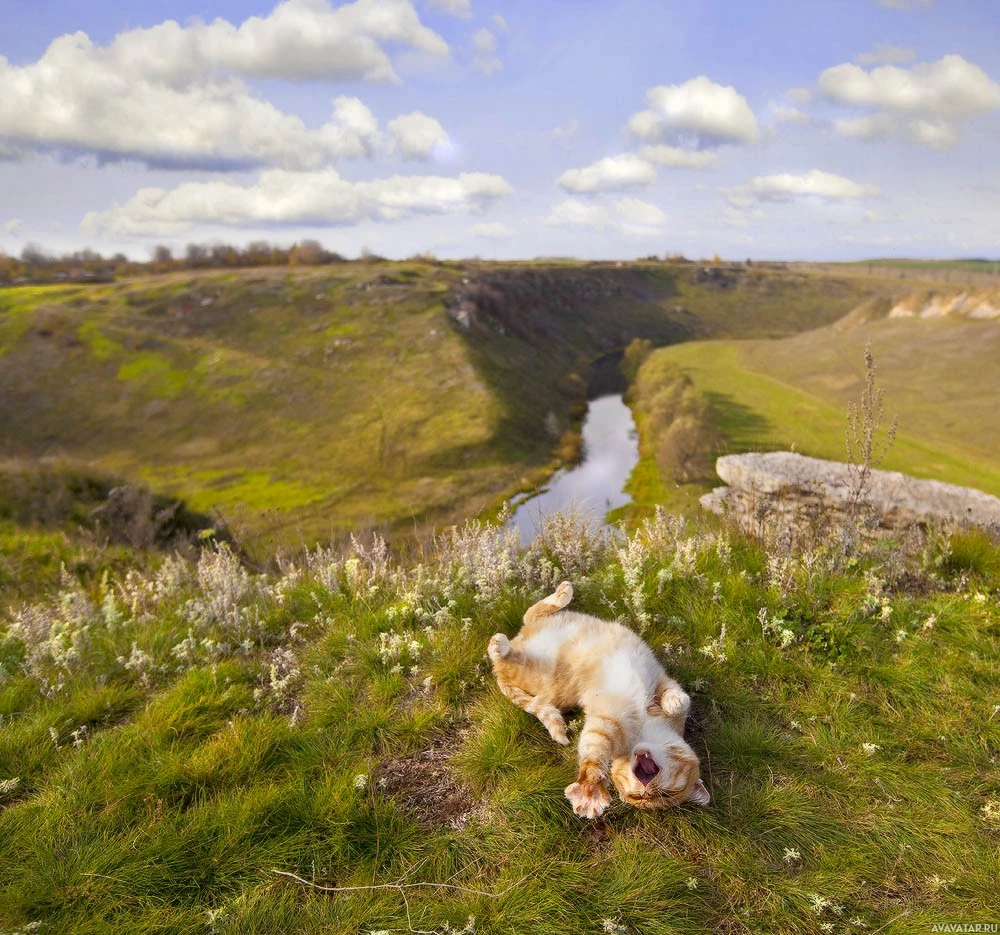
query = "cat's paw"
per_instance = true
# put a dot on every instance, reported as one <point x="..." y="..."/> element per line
<point x="589" y="800"/>
<point x="557" y="731"/>
<point x="562" y="596"/>
<point x="675" y="702"/>
<point x="499" y="646"/>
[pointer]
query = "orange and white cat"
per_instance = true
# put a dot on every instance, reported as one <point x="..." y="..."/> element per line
<point x="634" y="713"/>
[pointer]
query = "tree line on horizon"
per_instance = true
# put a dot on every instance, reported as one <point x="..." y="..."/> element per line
<point x="36" y="265"/>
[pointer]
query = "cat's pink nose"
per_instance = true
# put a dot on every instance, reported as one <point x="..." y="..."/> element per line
<point x="645" y="768"/>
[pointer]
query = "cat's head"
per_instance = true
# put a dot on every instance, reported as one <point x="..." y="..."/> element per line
<point x="659" y="775"/>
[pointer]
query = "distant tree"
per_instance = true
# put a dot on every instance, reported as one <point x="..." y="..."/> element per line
<point x="34" y="254"/>
<point x="195" y="254"/>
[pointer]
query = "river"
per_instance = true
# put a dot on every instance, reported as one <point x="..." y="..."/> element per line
<point x="610" y="451"/>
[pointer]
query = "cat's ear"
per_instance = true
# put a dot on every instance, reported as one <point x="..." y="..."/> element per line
<point x="700" y="794"/>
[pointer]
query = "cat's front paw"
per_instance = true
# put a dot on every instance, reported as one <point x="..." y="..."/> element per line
<point x="589" y="800"/>
<point x="675" y="702"/>
<point x="499" y="646"/>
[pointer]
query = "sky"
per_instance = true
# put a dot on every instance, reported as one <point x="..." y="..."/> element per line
<point x="774" y="129"/>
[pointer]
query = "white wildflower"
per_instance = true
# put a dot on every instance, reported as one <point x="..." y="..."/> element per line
<point x="8" y="786"/>
<point x="716" y="649"/>
<point x="791" y="855"/>
<point x="691" y="883"/>
<point x="361" y="782"/>
<point x="871" y="748"/>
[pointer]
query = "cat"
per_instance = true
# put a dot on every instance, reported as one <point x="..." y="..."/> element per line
<point x="634" y="713"/>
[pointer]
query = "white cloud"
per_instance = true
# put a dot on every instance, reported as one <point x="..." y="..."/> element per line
<point x="784" y="187"/>
<point x="492" y="230"/>
<point x="783" y="113"/>
<point x="640" y="213"/>
<point x="674" y="157"/>
<point x="95" y="109"/>
<point x="13" y="226"/>
<point x="460" y="8"/>
<point x="417" y="136"/>
<point x="799" y="95"/>
<point x="629" y="216"/>
<point x="484" y="45"/>
<point x="923" y="103"/>
<point x="575" y="213"/>
<point x="499" y="23"/>
<point x="869" y="127"/>
<point x="170" y="95"/>
<point x="951" y="87"/>
<point x="937" y="134"/>
<point x="298" y="39"/>
<point x="280" y="197"/>
<point x="712" y="112"/>
<point x="886" y="55"/>
<point x="611" y="174"/>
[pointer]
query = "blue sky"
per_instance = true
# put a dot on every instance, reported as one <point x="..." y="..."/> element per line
<point x="821" y="130"/>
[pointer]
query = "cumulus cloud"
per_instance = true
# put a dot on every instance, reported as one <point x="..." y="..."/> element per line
<point x="868" y="127"/>
<point x="627" y="216"/>
<point x="783" y="113"/>
<point x="416" y="136"/>
<point x="567" y="132"/>
<point x="171" y="95"/>
<point x="492" y="230"/>
<point x="299" y="39"/>
<point x="460" y="8"/>
<point x="886" y="55"/>
<point x="611" y="174"/>
<point x="639" y="213"/>
<point x="951" y="87"/>
<point x="713" y="113"/>
<point x="484" y="47"/>
<point x="674" y="157"/>
<point x="281" y="197"/>
<point x="812" y="185"/>
<point x="499" y="22"/>
<point x="13" y="226"/>
<point x="923" y="103"/>
<point x="107" y="113"/>
<point x="799" y="95"/>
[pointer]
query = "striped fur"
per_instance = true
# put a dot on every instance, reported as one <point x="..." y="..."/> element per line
<point x="634" y="713"/>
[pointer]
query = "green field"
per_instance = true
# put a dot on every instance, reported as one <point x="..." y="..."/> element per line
<point x="216" y="741"/>
<point x="304" y="404"/>
<point x="176" y="744"/>
<point x="937" y="375"/>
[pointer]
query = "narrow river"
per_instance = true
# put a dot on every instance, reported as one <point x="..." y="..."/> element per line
<point x="610" y="451"/>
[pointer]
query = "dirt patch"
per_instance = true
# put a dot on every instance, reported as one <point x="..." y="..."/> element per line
<point x="426" y="786"/>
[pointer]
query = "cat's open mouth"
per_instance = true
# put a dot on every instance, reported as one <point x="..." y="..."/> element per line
<point x="645" y="768"/>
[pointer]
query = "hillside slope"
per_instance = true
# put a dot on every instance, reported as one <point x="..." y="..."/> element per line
<point x="938" y="375"/>
<point x="309" y="403"/>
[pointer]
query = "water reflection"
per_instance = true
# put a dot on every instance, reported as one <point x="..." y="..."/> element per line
<point x="610" y="451"/>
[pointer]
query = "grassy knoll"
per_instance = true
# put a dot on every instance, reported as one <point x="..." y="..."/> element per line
<point x="170" y="740"/>
<point x="305" y="404"/>
<point x="792" y="393"/>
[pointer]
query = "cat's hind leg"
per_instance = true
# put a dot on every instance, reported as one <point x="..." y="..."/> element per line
<point x="552" y="604"/>
<point x="511" y="667"/>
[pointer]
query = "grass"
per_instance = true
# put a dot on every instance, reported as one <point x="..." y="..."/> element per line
<point x="307" y="404"/>
<point x="168" y="770"/>
<point x="792" y="394"/>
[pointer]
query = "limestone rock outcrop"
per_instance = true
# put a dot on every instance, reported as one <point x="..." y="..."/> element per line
<point x="782" y="489"/>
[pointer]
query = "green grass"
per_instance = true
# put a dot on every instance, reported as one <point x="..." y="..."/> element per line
<point x="306" y="404"/>
<point x="194" y="781"/>
<point x="793" y="394"/>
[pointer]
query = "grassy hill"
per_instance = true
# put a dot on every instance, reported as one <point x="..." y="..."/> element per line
<point x="191" y="745"/>
<point x="178" y="746"/>
<point x="937" y="375"/>
<point x="303" y="404"/>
